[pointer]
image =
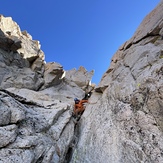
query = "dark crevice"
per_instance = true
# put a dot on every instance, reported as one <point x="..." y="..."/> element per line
<point x="73" y="143"/>
<point x="41" y="85"/>
<point x="148" y="35"/>
<point x="40" y="159"/>
<point x="128" y="46"/>
<point x="127" y="66"/>
<point x="69" y="155"/>
<point x="75" y="139"/>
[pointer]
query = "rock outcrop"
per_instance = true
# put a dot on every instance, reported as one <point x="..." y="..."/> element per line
<point x="36" y="100"/>
<point x="126" y="123"/>
<point x="122" y="123"/>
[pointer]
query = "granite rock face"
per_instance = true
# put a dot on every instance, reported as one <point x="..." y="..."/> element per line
<point x="36" y="100"/>
<point x="122" y="123"/>
<point x="125" y="124"/>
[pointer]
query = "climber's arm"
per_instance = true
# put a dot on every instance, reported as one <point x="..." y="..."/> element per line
<point x="83" y="101"/>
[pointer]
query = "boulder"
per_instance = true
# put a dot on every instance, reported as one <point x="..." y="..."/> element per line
<point x="80" y="77"/>
<point x="52" y="75"/>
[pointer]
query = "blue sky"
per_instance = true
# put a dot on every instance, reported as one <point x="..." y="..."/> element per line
<point x="78" y="33"/>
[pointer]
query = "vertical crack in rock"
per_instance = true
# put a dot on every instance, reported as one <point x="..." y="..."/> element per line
<point x="73" y="143"/>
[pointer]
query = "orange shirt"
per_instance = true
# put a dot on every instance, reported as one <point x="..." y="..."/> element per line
<point x="79" y="107"/>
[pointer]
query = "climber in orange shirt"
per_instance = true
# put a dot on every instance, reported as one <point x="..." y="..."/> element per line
<point x="79" y="106"/>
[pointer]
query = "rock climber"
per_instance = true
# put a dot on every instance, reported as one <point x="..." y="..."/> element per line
<point x="79" y="107"/>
